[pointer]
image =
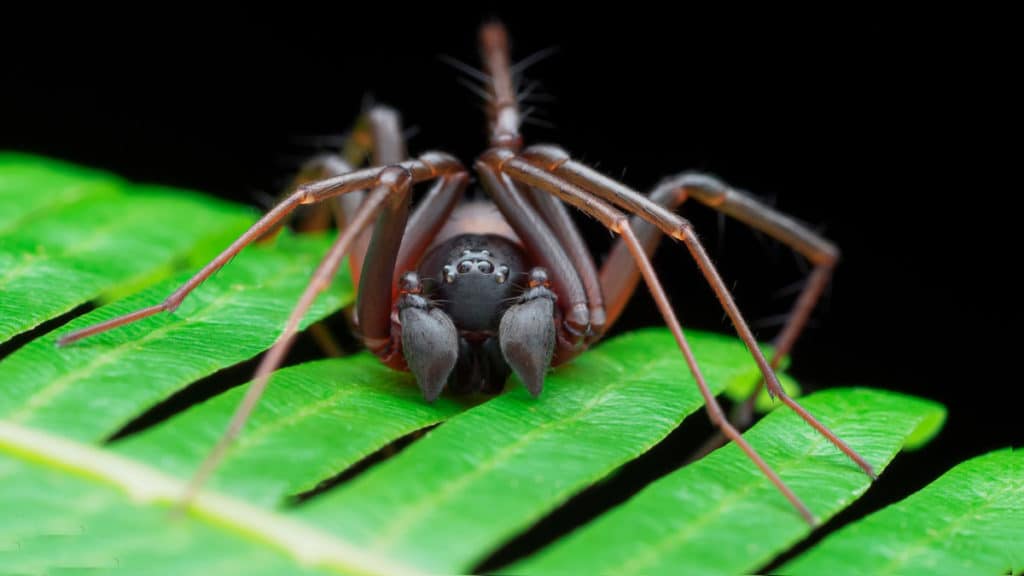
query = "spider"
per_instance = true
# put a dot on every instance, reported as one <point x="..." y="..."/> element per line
<point x="464" y="293"/>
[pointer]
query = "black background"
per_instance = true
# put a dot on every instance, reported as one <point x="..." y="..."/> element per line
<point x="887" y="132"/>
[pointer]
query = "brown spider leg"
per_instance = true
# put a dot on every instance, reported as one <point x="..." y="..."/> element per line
<point x="428" y="166"/>
<point x="426" y="222"/>
<point x="819" y="251"/>
<point x="375" y="279"/>
<point x="357" y="148"/>
<point x="543" y="248"/>
<point x="395" y="248"/>
<point x="744" y="207"/>
<point x="379" y="136"/>
<point x="503" y="116"/>
<point x="318" y="219"/>
<point x="619" y="273"/>
<point x="617" y="222"/>
<point x="550" y="160"/>
<point x="392" y="181"/>
<point x="316" y="168"/>
<point x="557" y="217"/>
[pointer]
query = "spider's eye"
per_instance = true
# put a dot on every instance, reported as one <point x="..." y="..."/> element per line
<point x="449" y="273"/>
<point x="465" y="266"/>
<point x="485" y="267"/>
<point x="502" y="274"/>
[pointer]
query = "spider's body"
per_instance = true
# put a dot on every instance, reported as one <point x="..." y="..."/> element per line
<point x="464" y="294"/>
<point x="474" y="279"/>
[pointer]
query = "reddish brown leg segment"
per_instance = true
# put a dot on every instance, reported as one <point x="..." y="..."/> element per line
<point x="617" y="222"/>
<point x="556" y="162"/>
<point x="427" y="220"/>
<point x="379" y="136"/>
<point x="619" y="273"/>
<point x="745" y="208"/>
<point x="393" y="181"/>
<point x="502" y="108"/>
<point x="557" y="217"/>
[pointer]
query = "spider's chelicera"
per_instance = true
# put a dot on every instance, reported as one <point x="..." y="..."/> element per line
<point x="463" y="293"/>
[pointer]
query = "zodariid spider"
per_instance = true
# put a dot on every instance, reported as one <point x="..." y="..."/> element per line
<point x="461" y="294"/>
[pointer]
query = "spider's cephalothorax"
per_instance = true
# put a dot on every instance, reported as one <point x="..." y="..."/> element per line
<point x="463" y="301"/>
<point x="489" y="317"/>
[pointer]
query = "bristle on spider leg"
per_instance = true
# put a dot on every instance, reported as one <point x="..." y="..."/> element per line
<point x="790" y="289"/>
<point x="518" y="68"/>
<point x="411" y="132"/>
<point x="465" y="68"/>
<point x="475" y="89"/>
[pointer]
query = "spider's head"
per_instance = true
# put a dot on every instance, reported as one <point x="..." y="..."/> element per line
<point x="475" y="280"/>
<point x="489" y="317"/>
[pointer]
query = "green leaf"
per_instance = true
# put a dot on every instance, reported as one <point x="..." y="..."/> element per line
<point x="71" y="506"/>
<point x="31" y="185"/>
<point x="489" y="473"/>
<point x="68" y="236"/>
<point x="969" y="521"/>
<point x="721" y="515"/>
<point x="314" y="420"/>
<point x="92" y="388"/>
<point x="488" y="470"/>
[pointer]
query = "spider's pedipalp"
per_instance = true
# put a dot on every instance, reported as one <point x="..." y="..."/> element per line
<point x="527" y="336"/>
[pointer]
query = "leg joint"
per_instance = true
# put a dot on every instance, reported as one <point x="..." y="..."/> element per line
<point x="395" y="177"/>
<point x="706" y="188"/>
<point x="548" y="156"/>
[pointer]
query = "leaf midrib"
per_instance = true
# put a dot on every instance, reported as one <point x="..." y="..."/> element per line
<point x="305" y="543"/>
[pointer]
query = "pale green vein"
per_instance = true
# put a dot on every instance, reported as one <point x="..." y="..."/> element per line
<point x="97" y="235"/>
<point x="416" y="511"/>
<point x="968" y="521"/>
<point x="655" y="551"/>
<point x="55" y="388"/>
<point x="32" y="185"/>
<point x="144" y="485"/>
<point x="315" y="420"/>
<point x="229" y="318"/>
<point x="292" y="418"/>
<point x="490" y="472"/>
<point x="900" y="563"/>
<point x="721" y="515"/>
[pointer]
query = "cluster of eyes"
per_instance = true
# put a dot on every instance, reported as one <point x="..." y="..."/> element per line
<point x="468" y="264"/>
